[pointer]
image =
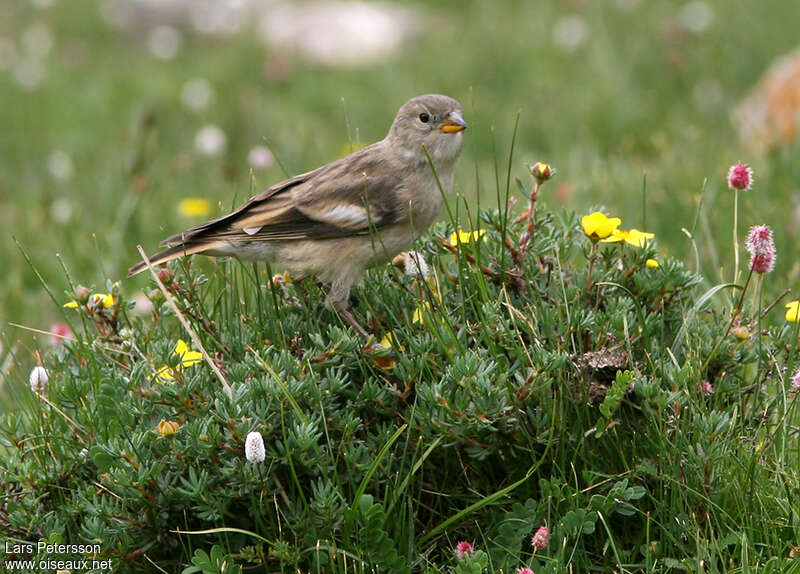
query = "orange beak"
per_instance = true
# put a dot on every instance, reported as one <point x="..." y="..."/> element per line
<point x="453" y="123"/>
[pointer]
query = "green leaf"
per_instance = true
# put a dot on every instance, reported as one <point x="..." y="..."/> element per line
<point x="102" y="458"/>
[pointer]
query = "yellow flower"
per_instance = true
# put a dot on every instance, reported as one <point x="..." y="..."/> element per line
<point x="97" y="300"/>
<point x="166" y="374"/>
<point x="386" y="361"/>
<point x="167" y="428"/>
<point x="466" y="236"/>
<point x="792" y="310"/>
<point x="387" y="341"/>
<point x="419" y="312"/>
<point x="194" y="207"/>
<point x="741" y="333"/>
<point x="652" y="263"/>
<point x="633" y="237"/>
<point x="541" y="172"/>
<point x="599" y="226"/>
<point x="188" y="358"/>
<point x="103" y="299"/>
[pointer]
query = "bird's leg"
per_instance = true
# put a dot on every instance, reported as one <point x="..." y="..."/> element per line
<point x="338" y="298"/>
<point x="347" y="316"/>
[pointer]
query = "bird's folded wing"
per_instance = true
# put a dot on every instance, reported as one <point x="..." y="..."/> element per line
<point x="222" y="222"/>
<point x="340" y="199"/>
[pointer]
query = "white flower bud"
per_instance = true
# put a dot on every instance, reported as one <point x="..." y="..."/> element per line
<point x="38" y="379"/>
<point x="254" y="447"/>
<point x="416" y="266"/>
<point x="210" y="140"/>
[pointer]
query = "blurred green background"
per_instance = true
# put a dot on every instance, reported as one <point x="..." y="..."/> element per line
<point x="104" y="105"/>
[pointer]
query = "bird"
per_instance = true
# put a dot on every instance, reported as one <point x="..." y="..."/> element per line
<point x="353" y="213"/>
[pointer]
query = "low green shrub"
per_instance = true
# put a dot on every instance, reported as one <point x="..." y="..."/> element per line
<point x="556" y="381"/>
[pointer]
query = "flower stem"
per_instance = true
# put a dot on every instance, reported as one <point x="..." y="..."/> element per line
<point x="738" y="307"/>
<point x="528" y="233"/>
<point x="592" y="258"/>
<point x="736" y="237"/>
<point x="757" y="382"/>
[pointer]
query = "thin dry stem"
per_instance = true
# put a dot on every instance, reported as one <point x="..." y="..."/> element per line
<point x="195" y="339"/>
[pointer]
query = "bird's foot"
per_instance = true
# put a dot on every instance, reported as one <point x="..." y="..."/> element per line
<point x="348" y="317"/>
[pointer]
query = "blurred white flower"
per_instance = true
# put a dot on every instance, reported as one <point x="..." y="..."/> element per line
<point x="28" y="73"/>
<point x="570" y="32"/>
<point x="415" y="265"/>
<point x="218" y="17"/>
<point x="260" y="157"/>
<point x="38" y="379"/>
<point x="197" y="94"/>
<point x="8" y="53"/>
<point x="164" y="42"/>
<point x="210" y="140"/>
<point x="696" y="16"/>
<point x="61" y="210"/>
<point x="37" y="40"/>
<point x="254" y="447"/>
<point x="210" y="17"/>
<point x="59" y="164"/>
<point x="340" y="33"/>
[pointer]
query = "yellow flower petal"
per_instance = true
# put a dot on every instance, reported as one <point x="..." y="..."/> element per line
<point x="615" y="237"/>
<point x="167" y="428"/>
<point x="194" y="207"/>
<point x="598" y="225"/>
<point x="190" y="358"/>
<point x="385" y="362"/>
<point x="181" y="347"/>
<point x="461" y="236"/>
<point x="792" y="310"/>
<point x="387" y="340"/>
<point x="420" y="311"/>
<point x="102" y="299"/>
<point x="633" y="237"/>
<point x="638" y="238"/>
<point x="652" y="263"/>
<point x="164" y="374"/>
<point x="96" y="300"/>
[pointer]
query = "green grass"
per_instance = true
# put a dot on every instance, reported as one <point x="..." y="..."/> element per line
<point x="482" y="430"/>
<point x="603" y="115"/>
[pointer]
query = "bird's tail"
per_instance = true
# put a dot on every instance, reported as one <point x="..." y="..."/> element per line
<point x="174" y="252"/>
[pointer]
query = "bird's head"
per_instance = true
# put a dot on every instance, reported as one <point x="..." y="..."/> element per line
<point x="433" y="121"/>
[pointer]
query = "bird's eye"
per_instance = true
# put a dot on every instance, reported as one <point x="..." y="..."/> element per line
<point x="424" y="117"/>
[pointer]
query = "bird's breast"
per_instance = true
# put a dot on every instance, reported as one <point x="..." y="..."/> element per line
<point x="427" y="202"/>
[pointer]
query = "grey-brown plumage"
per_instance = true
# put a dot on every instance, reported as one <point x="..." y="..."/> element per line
<point x="345" y="216"/>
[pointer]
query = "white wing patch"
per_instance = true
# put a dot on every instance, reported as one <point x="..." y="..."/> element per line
<point x="347" y="215"/>
<point x="251" y="230"/>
